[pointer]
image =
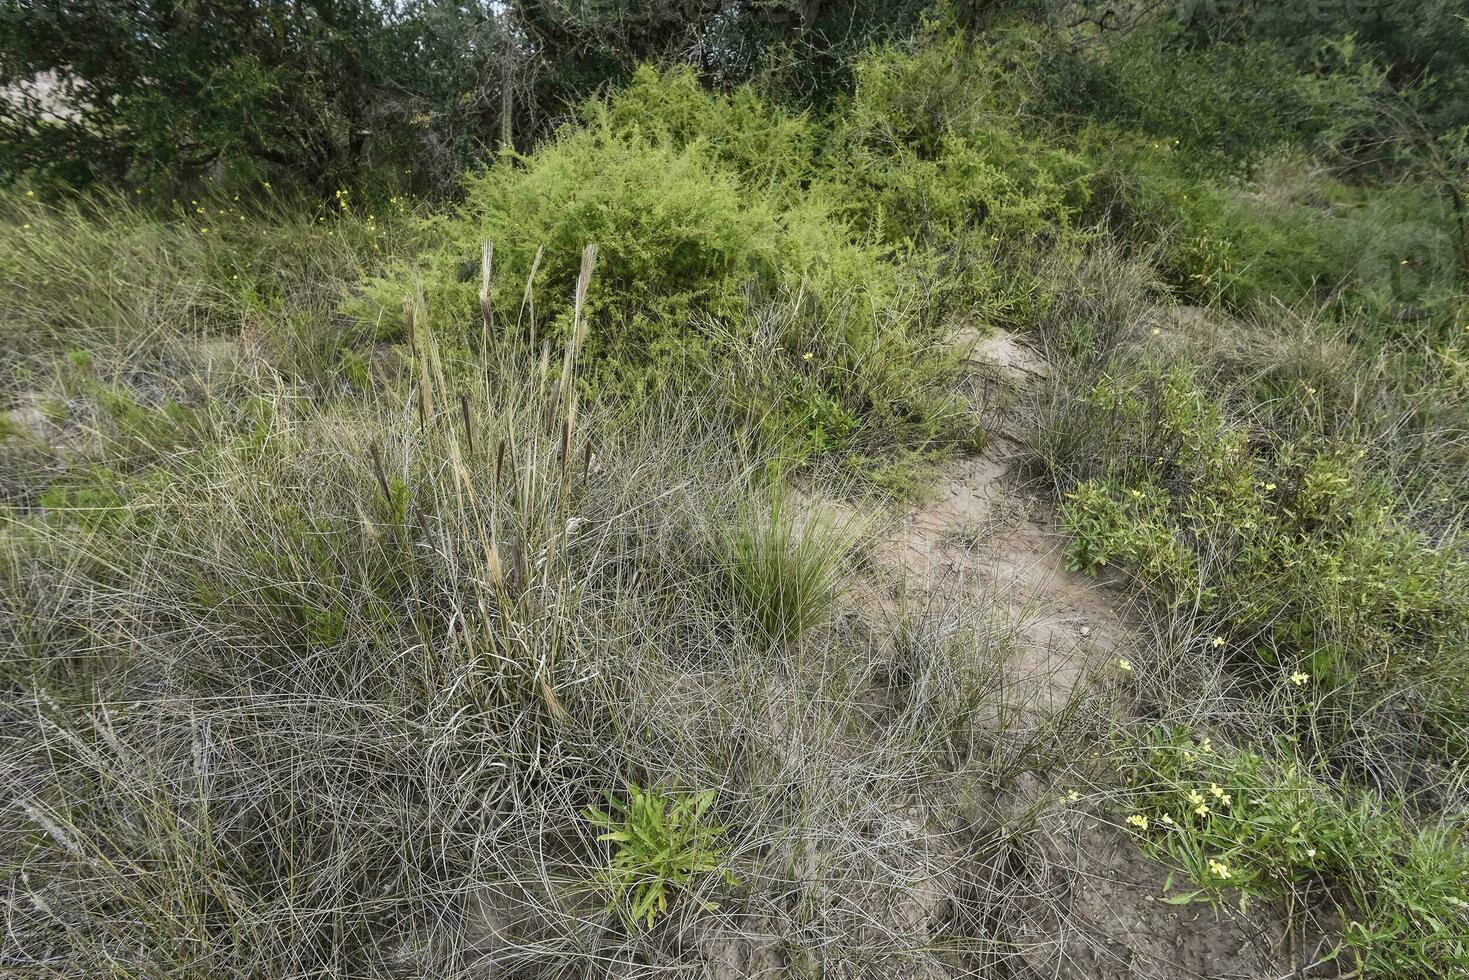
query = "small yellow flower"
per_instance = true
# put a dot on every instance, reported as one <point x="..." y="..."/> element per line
<point x="1218" y="868"/>
<point x="30" y="193"/>
<point x="1195" y="798"/>
<point x="203" y="231"/>
<point x="1218" y="641"/>
<point x="1202" y="809"/>
<point x="1300" y="678"/>
<point x="807" y="356"/>
<point x="1310" y="852"/>
<point x="1214" y="788"/>
<point x="1269" y="486"/>
<point x="1138" y="820"/>
<point x="1072" y="796"/>
<point x="1310" y="390"/>
<point x="1124" y="664"/>
<point x="1156" y="331"/>
<point x="1168" y="820"/>
<point x="1208" y="745"/>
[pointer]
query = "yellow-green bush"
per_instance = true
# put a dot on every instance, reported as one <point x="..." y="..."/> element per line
<point x="1380" y="257"/>
<point x="714" y="272"/>
<point x="929" y="149"/>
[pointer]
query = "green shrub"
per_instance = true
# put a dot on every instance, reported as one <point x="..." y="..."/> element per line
<point x="1223" y="107"/>
<point x="1306" y="556"/>
<point x="928" y="150"/>
<point x="1381" y="258"/>
<point x="769" y="147"/>
<point x="715" y="274"/>
<point x="1247" y="824"/>
<point x="679" y="239"/>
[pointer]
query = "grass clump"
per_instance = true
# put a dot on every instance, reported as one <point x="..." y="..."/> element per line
<point x="786" y="569"/>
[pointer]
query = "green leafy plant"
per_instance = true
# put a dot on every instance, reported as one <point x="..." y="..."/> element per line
<point x="661" y="846"/>
<point x="1245" y="823"/>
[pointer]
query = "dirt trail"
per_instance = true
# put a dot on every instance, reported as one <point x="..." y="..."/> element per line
<point x="983" y="534"/>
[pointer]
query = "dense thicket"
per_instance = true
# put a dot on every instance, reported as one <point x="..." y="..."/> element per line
<point x="333" y="92"/>
<point x="330" y="92"/>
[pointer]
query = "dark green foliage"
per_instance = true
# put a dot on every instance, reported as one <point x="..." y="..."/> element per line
<point x="1224" y="106"/>
<point x="166" y="93"/>
<point x="1424" y="44"/>
<point x="329" y="93"/>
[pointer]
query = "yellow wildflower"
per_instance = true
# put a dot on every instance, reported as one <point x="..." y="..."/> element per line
<point x="1299" y="678"/>
<point x="1124" y="664"/>
<point x="1138" y="820"/>
<point x="1218" y="868"/>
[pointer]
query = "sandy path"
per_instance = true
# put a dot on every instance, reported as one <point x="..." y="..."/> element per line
<point x="983" y="534"/>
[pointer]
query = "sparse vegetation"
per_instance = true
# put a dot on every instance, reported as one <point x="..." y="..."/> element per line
<point x="541" y="506"/>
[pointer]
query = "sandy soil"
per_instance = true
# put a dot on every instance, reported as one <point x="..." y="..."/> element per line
<point x="982" y="532"/>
